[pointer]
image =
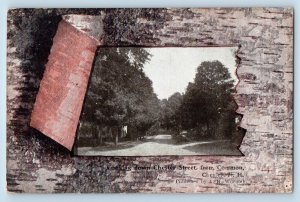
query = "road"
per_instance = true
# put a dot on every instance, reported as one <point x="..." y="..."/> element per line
<point x="163" y="144"/>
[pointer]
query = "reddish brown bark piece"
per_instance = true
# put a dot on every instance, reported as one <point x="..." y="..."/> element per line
<point x="60" y="98"/>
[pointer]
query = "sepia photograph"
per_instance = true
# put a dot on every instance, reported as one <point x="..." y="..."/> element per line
<point x="161" y="101"/>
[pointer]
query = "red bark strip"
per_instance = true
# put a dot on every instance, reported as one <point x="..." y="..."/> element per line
<point x="60" y="98"/>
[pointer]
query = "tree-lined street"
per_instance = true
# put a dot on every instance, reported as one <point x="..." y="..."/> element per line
<point x="122" y="111"/>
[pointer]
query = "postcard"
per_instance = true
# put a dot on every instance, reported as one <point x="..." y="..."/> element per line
<point x="193" y="100"/>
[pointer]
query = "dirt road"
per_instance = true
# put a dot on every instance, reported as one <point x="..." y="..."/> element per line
<point x="161" y="145"/>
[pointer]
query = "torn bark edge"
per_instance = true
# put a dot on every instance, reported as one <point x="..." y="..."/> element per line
<point x="238" y="64"/>
<point x="92" y="26"/>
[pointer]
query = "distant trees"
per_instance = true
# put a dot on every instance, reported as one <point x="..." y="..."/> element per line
<point x="170" y="112"/>
<point x="120" y="94"/>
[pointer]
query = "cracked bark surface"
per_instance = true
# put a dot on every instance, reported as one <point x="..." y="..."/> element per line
<point x="264" y="97"/>
<point x="62" y="90"/>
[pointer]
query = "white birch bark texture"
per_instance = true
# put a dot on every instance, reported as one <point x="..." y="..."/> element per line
<point x="264" y="97"/>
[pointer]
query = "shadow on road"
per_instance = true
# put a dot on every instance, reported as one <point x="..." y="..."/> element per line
<point x="225" y="148"/>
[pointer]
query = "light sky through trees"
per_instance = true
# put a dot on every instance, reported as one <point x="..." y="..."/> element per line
<point x="171" y="69"/>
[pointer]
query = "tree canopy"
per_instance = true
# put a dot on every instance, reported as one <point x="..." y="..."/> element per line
<point x="208" y="98"/>
<point x="119" y="92"/>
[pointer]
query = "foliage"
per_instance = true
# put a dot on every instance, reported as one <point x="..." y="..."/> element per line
<point x="208" y="99"/>
<point x="119" y="92"/>
<point x="169" y="111"/>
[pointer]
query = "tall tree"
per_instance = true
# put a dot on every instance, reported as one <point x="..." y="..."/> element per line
<point x="208" y="98"/>
<point x="119" y="92"/>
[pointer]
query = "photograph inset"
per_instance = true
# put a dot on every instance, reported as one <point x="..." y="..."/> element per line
<point x="160" y="101"/>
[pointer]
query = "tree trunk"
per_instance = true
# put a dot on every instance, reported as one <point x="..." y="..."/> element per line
<point x="116" y="139"/>
<point x="99" y="136"/>
<point x="100" y="139"/>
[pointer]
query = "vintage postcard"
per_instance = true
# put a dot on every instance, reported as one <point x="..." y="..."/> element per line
<point x="194" y="100"/>
<point x="161" y="101"/>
